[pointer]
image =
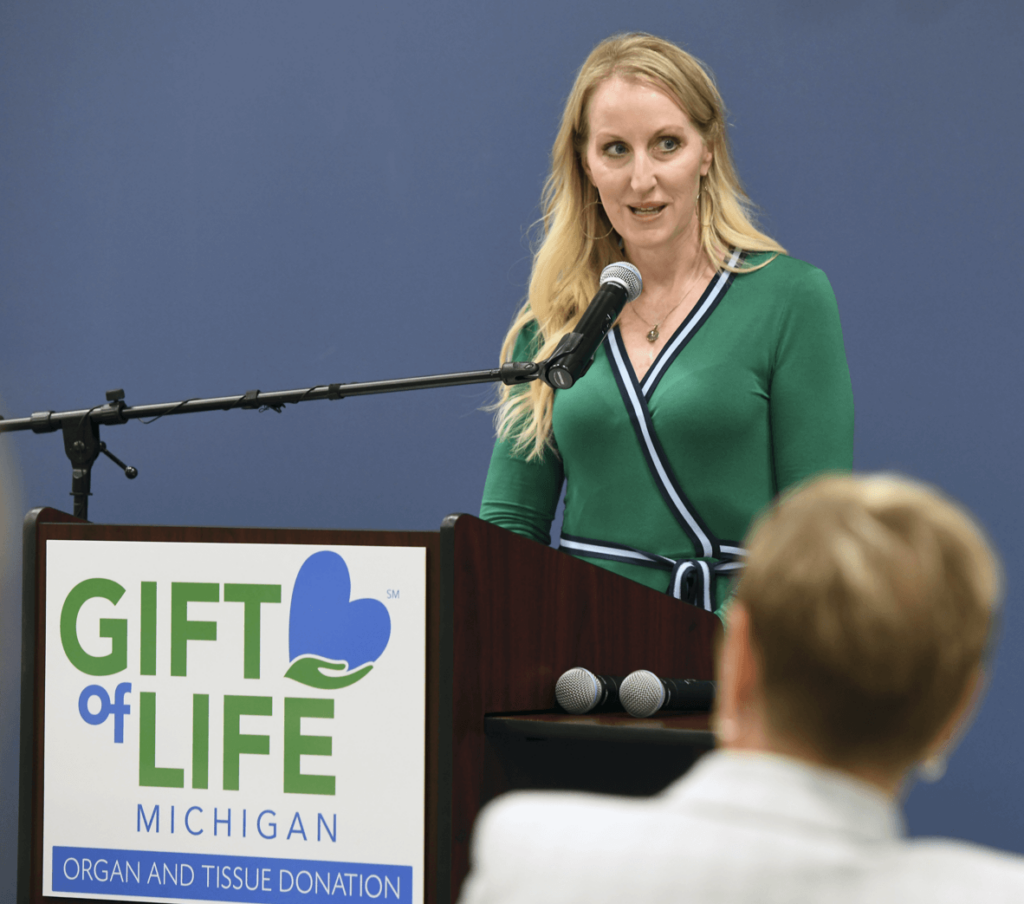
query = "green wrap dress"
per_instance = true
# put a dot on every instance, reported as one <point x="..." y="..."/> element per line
<point x="664" y="475"/>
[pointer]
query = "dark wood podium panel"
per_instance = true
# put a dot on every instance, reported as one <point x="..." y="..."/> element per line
<point x="596" y="758"/>
<point x="607" y="753"/>
<point x="523" y="613"/>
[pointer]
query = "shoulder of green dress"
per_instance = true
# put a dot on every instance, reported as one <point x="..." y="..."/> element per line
<point x="793" y="279"/>
<point x="777" y="265"/>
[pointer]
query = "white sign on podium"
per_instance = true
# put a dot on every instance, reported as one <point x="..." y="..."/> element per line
<point x="234" y="722"/>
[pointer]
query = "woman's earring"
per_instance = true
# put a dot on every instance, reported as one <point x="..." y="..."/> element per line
<point x="611" y="228"/>
<point x="932" y="769"/>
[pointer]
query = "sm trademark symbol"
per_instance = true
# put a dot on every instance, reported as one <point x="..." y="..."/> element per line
<point x="118" y="707"/>
<point x="393" y="594"/>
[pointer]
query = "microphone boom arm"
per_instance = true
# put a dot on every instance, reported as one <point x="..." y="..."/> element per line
<point x="619" y="284"/>
<point x="81" y="428"/>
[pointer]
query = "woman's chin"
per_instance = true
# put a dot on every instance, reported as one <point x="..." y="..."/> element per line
<point x="651" y="241"/>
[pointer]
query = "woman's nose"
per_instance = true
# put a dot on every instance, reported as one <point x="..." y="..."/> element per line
<point x="643" y="176"/>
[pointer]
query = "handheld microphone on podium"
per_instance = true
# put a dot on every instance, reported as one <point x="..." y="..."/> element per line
<point x="579" y="691"/>
<point x="620" y="283"/>
<point x="643" y="693"/>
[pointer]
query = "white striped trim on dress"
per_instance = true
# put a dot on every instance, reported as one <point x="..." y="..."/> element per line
<point x="620" y="554"/>
<point x="679" y="568"/>
<point x="630" y="554"/>
<point x="667" y="353"/>
<point x="661" y="473"/>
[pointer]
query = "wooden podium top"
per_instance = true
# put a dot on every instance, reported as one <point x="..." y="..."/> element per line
<point x="681" y="729"/>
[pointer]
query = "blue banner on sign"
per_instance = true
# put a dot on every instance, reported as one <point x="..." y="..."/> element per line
<point x="202" y="877"/>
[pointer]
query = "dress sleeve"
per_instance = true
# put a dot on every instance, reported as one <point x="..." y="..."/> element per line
<point x="811" y="400"/>
<point x="522" y="495"/>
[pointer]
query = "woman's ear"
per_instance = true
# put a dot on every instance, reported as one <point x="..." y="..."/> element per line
<point x="706" y="159"/>
<point x="944" y="743"/>
<point x="586" y="167"/>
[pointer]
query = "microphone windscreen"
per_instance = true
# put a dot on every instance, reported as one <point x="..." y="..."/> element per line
<point x="641" y="693"/>
<point x="578" y="691"/>
<point x="625" y="275"/>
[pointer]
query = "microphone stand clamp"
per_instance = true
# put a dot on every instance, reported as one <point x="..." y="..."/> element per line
<point x="83" y="446"/>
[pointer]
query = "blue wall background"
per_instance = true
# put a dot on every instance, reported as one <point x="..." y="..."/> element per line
<point x="203" y="198"/>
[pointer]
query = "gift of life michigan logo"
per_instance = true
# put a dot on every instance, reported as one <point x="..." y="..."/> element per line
<point x="333" y="642"/>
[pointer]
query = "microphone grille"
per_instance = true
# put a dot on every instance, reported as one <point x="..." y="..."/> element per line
<point x="627" y="276"/>
<point x="641" y="693"/>
<point x="577" y="691"/>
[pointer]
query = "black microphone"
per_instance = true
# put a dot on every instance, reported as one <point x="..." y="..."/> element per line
<point x="571" y="358"/>
<point x="643" y="694"/>
<point x="580" y="691"/>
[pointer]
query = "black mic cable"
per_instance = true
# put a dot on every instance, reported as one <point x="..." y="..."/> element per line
<point x="643" y="693"/>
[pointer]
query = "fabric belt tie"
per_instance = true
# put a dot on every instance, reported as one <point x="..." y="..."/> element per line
<point x="691" y="580"/>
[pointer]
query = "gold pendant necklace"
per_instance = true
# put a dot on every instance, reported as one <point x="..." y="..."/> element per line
<point x="654" y="332"/>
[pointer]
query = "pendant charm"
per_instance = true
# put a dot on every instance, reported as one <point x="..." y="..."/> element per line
<point x="653" y="335"/>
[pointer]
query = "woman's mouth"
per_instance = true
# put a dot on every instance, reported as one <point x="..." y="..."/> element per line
<point x="648" y="211"/>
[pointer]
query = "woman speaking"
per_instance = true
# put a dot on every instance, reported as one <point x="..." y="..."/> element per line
<point x="722" y="384"/>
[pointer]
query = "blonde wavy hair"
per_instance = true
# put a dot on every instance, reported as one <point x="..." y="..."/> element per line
<point x="578" y="239"/>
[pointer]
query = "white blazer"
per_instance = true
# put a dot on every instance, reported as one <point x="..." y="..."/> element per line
<point x="738" y="827"/>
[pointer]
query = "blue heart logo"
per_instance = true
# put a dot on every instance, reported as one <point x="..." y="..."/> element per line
<point x="333" y="640"/>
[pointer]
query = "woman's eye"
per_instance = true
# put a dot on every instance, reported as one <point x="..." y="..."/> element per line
<point x="667" y="143"/>
<point x="615" y="149"/>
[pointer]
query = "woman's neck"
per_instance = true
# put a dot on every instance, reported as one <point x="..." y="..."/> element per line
<point x="668" y="269"/>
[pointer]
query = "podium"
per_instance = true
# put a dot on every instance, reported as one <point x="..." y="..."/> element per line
<point x="504" y="617"/>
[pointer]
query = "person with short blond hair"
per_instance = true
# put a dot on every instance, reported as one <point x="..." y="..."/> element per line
<point x="869" y="638"/>
<point x="853" y="656"/>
